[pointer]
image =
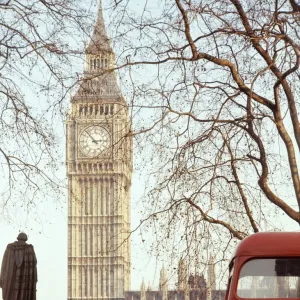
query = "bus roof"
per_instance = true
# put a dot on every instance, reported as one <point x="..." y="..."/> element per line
<point x="270" y="244"/>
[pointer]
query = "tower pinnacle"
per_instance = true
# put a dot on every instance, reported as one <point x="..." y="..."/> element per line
<point x="100" y="83"/>
<point x="163" y="280"/>
<point x="211" y="274"/>
<point x="99" y="41"/>
<point x="143" y="290"/>
<point x="182" y="275"/>
<point x="143" y="287"/>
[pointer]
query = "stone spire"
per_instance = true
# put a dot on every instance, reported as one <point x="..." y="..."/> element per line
<point x="163" y="283"/>
<point x="163" y="279"/>
<point x="143" y="290"/>
<point x="211" y="274"/>
<point x="99" y="40"/>
<point x="211" y="278"/>
<point x="99" y="83"/>
<point x="187" y="292"/>
<point x="182" y="275"/>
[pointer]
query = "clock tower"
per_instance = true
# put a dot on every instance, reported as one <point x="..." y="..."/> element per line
<point x="99" y="169"/>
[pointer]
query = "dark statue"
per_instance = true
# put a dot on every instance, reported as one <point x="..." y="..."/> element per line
<point x="18" y="271"/>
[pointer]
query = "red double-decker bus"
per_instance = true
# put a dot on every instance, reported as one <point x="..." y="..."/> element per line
<point x="266" y="266"/>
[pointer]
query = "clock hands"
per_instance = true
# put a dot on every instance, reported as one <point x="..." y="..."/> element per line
<point x="96" y="141"/>
<point x="93" y="140"/>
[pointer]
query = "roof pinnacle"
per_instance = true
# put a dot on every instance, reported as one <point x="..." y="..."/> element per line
<point x="99" y="40"/>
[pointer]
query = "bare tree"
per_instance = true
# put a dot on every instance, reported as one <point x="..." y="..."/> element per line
<point x="214" y="90"/>
<point x="39" y="46"/>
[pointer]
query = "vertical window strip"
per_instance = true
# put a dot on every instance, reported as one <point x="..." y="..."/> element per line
<point x="91" y="197"/>
<point x="107" y="240"/>
<point x="97" y="199"/>
<point x="112" y="238"/>
<point x="101" y="282"/>
<point x="111" y="276"/>
<point x="112" y="200"/>
<point x="86" y="197"/>
<point x="101" y="197"/>
<point x="80" y="240"/>
<point x="91" y="281"/>
<point x="101" y="239"/>
<point x="91" y="240"/>
<point x="106" y="197"/>
<point x="80" y="282"/>
<point x="107" y="282"/>
<point x="70" y="280"/>
<point x="81" y="215"/>
<point x="85" y="240"/>
<point x="86" y="282"/>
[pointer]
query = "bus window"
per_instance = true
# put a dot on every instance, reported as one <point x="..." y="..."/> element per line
<point x="270" y="278"/>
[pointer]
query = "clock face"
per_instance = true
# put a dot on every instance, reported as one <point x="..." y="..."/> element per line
<point x="94" y="140"/>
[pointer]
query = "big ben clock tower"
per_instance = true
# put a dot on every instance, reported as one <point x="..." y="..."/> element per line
<point x="99" y="168"/>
